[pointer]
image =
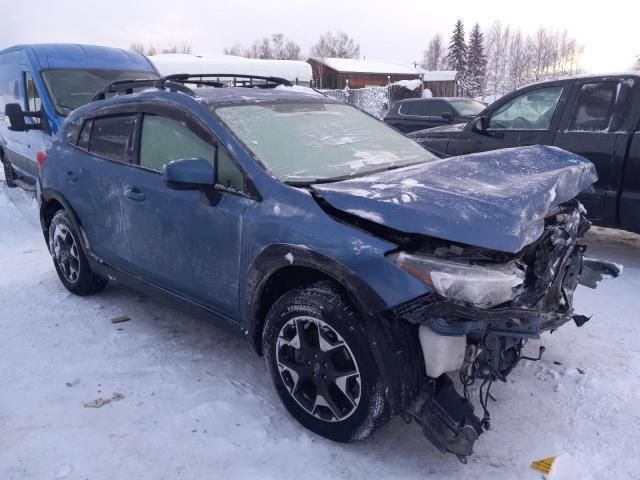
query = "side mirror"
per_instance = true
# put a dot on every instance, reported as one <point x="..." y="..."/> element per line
<point x="16" y="117"/>
<point x="479" y="125"/>
<point x="448" y="116"/>
<point x="189" y="174"/>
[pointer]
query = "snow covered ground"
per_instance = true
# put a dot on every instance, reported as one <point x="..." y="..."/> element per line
<point x="198" y="404"/>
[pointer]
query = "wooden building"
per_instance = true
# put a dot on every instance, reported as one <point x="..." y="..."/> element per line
<point x="333" y="73"/>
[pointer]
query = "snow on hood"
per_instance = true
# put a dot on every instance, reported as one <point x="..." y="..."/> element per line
<point x="495" y="200"/>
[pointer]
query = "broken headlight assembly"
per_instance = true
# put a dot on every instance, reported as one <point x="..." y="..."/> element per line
<point x="484" y="286"/>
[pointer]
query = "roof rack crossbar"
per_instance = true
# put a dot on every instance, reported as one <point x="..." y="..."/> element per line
<point x="176" y="83"/>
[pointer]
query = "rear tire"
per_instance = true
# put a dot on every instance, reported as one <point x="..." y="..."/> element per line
<point x="9" y="173"/>
<point x="320" y="361"/>
<point x="69" y="259"/>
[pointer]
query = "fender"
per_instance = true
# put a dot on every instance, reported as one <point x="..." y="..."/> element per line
<point x="49" y="194"/>
<point x="392" y="365"/>
<point x="278" y="256"/>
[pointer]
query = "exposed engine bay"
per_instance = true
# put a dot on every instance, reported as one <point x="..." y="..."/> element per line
<point x="483" y="308"/>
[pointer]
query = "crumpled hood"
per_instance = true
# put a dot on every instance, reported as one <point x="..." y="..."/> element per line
<point x="496" y="200"/>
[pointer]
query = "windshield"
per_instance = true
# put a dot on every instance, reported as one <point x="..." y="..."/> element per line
<point x="467" y="108"/>
<point x="70" y="89"/>
<point x="311" y="142"/>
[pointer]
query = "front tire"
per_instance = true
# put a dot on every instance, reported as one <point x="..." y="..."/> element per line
<point x="9" y="174"/>
<point x="320" y="361"/>
<point x="69" y="258"/>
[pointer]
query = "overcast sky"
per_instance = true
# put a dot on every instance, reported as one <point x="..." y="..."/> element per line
<point x="386" y="30"/>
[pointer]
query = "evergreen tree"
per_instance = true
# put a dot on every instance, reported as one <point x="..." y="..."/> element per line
<point x="457" y="56"/>
<point x="476" y="63"/>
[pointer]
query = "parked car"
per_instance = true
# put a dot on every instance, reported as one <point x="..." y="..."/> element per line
<point x="41" y="84"/>
<point x="597" y="117"/>
<point x="419" y="113"/>
<point x="361" y="268"/>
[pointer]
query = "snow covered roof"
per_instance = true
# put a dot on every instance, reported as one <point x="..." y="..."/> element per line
<point x="439" y="76"/>
<point x="170" y="63"/>
<point x="351" y="65"/>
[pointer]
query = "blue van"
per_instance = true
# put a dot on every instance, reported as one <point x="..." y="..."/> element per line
<point x="40" y="85"/>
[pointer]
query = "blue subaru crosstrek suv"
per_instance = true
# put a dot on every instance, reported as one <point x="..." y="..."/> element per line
<point x="364" y="269"/>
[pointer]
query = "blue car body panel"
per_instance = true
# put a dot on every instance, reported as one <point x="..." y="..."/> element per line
<point x="21" y="147"/>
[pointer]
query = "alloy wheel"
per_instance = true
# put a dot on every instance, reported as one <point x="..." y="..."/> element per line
<point x="65" y="253"/>
<point x="318" y="368"/>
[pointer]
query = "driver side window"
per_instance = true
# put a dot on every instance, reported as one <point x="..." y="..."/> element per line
<point x="530" y="111"/>
<point x="164" y="139"/>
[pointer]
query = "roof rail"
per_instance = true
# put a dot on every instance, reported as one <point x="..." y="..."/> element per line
<point x="126" y="87"/>
<point x="176" y="83"/>
<point x="245" y="80"/>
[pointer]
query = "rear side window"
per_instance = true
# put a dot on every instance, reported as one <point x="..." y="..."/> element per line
<point x="111" y="137"/>
<point x="83" y="138"/>
<point x="594" y="107"/>
<point x="439" y="107"/>
<point x="421" y="109"/>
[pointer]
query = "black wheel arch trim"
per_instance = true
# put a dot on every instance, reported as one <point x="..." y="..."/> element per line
<point x="277" y="257"/>
<point x="49" y="194"/>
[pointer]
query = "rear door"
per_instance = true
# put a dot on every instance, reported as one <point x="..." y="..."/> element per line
<point x="530" y="118"/>
<point x="415" y="115"/>
<point x="179" y="240"/>
<point x="592" y="126"/>
<point x="93" y="182"/>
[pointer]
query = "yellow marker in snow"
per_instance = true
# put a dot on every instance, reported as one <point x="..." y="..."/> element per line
<point x="543" y="465"/>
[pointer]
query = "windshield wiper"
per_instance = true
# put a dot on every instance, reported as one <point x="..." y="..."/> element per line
<point x="341" y="178"/>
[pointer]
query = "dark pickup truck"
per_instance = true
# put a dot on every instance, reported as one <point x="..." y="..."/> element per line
<point x="597" y="117"/>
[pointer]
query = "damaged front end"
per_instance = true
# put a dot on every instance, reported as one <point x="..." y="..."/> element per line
<point x="483" y="307"/>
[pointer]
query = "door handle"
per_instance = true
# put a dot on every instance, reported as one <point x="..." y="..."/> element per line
<point x="71" y="177"/>
<point x="134" y="194"/>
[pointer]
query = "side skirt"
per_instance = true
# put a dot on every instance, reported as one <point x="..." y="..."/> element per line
<point x="188" y="306"/>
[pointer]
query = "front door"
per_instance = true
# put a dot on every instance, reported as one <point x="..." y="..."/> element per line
<point x="530" y="118"/>
<point x="179" y="240"/>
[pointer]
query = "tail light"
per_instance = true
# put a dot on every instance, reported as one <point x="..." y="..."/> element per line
<point x="41" y="157"/>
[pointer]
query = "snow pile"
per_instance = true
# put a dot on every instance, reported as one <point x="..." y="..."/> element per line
<point x="409" y="84"/>
<point x="172" y="63"/>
